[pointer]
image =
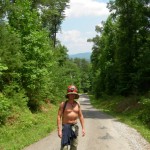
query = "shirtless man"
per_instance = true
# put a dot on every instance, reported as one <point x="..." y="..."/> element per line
<point x="68" y="114"/>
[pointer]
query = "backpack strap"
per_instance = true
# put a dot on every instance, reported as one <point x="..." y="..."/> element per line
<point x="78" y="103"/>
<point x="65" y="103"/>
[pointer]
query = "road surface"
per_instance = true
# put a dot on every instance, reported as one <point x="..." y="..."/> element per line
<point x="103" y="132"/>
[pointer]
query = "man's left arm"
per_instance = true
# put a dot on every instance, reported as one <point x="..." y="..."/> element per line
<point x="81" y="118"/>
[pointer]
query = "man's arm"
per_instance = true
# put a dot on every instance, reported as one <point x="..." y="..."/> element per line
<point x="81" y="118"/>
<point x="59" y="116"/>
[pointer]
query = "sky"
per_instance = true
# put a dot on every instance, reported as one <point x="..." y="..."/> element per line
<point x="79" y="25"/>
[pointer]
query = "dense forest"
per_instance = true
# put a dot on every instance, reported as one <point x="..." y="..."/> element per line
<point x="35" y="67"/>
<point x="121" y="61"/>
<point x="121" y="51"/>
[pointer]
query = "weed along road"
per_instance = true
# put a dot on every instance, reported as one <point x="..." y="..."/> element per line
<point x="103" y="132"/>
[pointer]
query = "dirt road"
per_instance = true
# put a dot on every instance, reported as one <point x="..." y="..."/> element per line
<point x="102" y="133"/>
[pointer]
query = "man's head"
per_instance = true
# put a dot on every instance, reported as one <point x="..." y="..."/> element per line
<point x="72" y="91"/>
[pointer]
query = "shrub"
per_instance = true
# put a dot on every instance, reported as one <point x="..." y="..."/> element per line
<point x="145" y="113"/>
<point x="16" y="95"/>
<point x="5" y="107"/>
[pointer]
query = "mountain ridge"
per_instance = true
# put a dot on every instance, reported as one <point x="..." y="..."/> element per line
<point x="85" y="55"/>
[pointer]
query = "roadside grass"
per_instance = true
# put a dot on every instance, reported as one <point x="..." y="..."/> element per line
<point x="24" y="128"/>
<point x="128" y="110"/>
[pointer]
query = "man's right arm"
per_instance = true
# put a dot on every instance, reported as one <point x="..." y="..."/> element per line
<point x="59" y="116"/>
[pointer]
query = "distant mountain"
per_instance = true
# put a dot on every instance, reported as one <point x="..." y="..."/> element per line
<point x="86" y="55"/>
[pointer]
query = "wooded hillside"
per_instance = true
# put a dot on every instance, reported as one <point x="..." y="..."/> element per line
<point x="121" y="51"/>
<point x="34" y="66"/>
<point x="121" y="59"/>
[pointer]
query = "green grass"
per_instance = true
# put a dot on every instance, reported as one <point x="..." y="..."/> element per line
<point x="127" y="110"/>
<point x="25" y="128"/>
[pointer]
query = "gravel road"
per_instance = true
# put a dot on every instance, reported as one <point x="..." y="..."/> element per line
<point x="103" y="132"/>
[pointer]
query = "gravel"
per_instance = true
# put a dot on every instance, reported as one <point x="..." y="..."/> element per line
<point x="103" y="132"/>
<point x="135" y="140"/>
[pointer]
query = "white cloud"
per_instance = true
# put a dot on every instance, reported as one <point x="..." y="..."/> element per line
<point x="75" y="41"/>
<point x="71" y="35"/>
<point x="79" y="8"/>
<point x="100" y="24"/>
<point x="88" y="12"/>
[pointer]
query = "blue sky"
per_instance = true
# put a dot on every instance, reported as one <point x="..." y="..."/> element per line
<point x="79" y="24"/>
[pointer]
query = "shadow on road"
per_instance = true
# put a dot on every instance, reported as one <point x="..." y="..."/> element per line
<point x="95" y="114"/>
<point x="89" y="111"/>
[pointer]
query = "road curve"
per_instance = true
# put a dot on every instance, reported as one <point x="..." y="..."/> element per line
<point x="103" y="132"/>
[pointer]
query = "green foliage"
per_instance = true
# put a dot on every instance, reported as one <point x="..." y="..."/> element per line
<point x="28" y="60"/>
<point x="62" y="76"/>
<point x="2" y="68"/>
<point x="38" y="63"/>
<point x="34" y="68"/>
<point x="5" y="107"/>
<point x="52" y="14"/>
<point x="144" y="114"/>
<point x="28" y="127"/>
<point x="22" y="17"/>
<point x="15" y="95"/>
<point x="85" y="76"/>
<point x="35" y="49"/>
<point x="60" y="54"/>
<point x="120" y="57"/>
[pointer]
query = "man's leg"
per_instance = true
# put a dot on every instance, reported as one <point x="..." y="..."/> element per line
<point x="74" y="144"/>
<point x="64" y="148"/>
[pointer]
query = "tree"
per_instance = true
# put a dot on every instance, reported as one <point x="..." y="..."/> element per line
<point x="120" y="48"/>
<point x="11" y="57"/>
<point x="35" y="48"/>
<point x="133" y="21"/>
<point x="52" y="13"/>
<point x="84" y="69"/>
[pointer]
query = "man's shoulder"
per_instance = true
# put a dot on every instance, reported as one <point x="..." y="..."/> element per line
<point x="78" y="103"/>
<point x="63" y="102"/>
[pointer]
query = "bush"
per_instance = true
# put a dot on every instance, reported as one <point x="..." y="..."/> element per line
<point x="145" y="113"/>
<point x="5" y="107"/>
<point x="16" y="95"/>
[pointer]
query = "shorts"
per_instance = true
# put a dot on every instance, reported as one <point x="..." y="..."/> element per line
<point x="74" y="142"/>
